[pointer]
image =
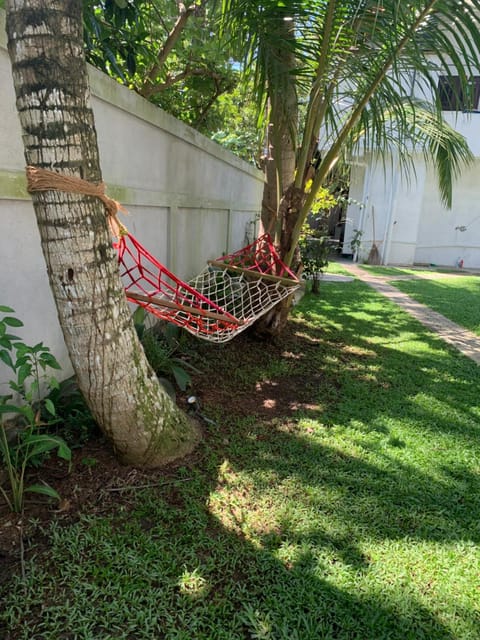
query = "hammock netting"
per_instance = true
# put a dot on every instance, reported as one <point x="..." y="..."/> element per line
<point x="227" y="297"/>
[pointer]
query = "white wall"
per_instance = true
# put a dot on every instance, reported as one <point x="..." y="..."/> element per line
<point x="412" y="225"/>
<point x="441" y="238"/>
<point x="355" y="212"/>
<point x="373" y="191"/>
<point x="189" y="199"/>
<point x="403" y="215"/>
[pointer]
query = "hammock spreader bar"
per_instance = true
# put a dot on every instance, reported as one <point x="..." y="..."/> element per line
<point x="229" y="295"/>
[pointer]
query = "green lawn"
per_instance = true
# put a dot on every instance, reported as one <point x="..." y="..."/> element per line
<point x="456" y="298"/>
<point x="350" y="512"/>
<point x="405" y="271"/>
<point x="379" y="270"/>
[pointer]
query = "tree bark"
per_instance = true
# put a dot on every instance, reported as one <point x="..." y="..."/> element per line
<point x="280" y="198"/>
<point x="46" y="49"/>
<point x="281" y="138"/>
<point x="273" y="323"/>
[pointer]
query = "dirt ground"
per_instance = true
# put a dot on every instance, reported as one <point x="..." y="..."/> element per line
<point x="95" y="481"/>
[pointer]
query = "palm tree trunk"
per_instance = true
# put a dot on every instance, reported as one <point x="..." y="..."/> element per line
<point x="279" y="203"/>
<point x="46" y="49"/>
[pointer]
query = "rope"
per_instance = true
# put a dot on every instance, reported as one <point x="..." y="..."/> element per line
<point x="44" y="180"/>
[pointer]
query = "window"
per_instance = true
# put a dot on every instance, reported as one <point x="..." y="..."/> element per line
<point x="453" y="98"/>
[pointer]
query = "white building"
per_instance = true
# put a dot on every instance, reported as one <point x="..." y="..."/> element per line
<point x="406" y="219"/>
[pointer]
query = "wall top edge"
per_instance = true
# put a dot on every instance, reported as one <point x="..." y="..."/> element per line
<point x="108" y="90"/>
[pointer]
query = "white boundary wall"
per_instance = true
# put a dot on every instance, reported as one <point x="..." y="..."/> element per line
<point x="189" y="199"/>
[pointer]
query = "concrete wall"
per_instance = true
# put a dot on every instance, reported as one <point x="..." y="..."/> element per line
<point x="189" y="199"/>
<point x="380" y="193"/>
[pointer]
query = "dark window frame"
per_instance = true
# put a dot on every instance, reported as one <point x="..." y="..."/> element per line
<point x="453" y="98"/>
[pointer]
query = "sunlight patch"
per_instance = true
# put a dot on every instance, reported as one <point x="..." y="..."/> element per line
<point x="192" y="584"/>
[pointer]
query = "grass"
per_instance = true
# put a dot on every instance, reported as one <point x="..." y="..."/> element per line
<point x="336" y="268"/>
<point x="354" y="517"/>
<point x="406" y="271"/>
<point x="456" y="298"/>
<point x="386" y="271"/>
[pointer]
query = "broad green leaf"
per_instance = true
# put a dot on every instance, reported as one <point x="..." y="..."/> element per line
<point x="38" y="449"/>
<point x="7" y="339"/>
<point x="44" y="489"/>
<point x="50" y="407"/>
<point x="54" y="383"/>
<point x="4" y="309"/>
<point x="10" y="408"/>
<point x="64" y="451"/>
<point x="6" y="358"/>
<point x="181" y="377"/>
<point x="43" y="443"/>
<point x="23" y="350"/>
<point x="139" y="315"/>
<point x="12" y="322"/>
<point x="28" y="412"/>
<point x="49" y="360"/>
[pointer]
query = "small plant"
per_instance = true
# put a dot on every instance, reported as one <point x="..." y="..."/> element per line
<point x="315" y="246"/>
<point x="22" y="444"/>
<point x="77" y="423"/>
<point x="314" y="243"/>
<point x="356" y="240"/>
<point x="161" y="347"/>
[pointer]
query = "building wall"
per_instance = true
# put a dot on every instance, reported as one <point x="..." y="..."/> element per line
<point x="189" y="200"/>
<point x="412" y="225"/>
<point x="378" y="193"/>
<point x="447" y="236"/>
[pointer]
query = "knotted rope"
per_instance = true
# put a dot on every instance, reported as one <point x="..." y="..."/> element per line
<point x="44" y="180"/>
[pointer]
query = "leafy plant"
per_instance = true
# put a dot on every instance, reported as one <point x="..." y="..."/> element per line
<point x="165" y="51"/>
<point x="161" y="346"/>
<point x="314" y="242"/>
<point x="21" y="442"/>
<point x="315" y="252"/>
<point x="77" y="423"/>
<point x="356" y="240"/>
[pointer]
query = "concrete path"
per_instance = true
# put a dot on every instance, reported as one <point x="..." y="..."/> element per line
<point x="465" y="341"/>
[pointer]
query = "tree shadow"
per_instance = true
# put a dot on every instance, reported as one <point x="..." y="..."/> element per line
<point x="224" y="565"/>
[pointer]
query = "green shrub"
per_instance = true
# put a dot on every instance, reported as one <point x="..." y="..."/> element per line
<point x="24" y="441"/>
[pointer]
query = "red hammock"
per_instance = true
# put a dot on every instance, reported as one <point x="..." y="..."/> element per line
<point x="224" y="299"/>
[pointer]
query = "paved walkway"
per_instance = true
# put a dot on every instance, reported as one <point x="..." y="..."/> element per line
<point x="465" y="341"/>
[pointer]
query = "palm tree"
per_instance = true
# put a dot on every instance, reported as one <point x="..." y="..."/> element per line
<point x="50" y="76"/>
<point x="355" y="67"/>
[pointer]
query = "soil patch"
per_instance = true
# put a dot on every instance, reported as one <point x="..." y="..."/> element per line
<point x="95" y="482"/>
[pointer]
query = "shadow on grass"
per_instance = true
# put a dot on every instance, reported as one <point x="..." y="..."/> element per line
<point x="170" y="568"/>
<point x="267" y="532"/>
